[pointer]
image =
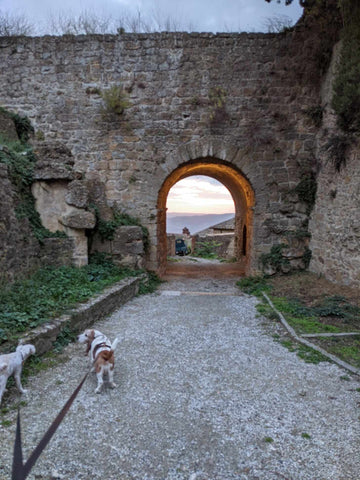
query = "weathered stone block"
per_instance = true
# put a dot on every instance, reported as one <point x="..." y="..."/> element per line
<point x="129" y="240"/>
<point x="55" y="162"/>
<point x="77" y="194"/>
<point x="79" y="220"/>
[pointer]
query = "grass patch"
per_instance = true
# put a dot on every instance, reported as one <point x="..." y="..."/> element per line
<point x="346" y="348"/>
<point x="323" y="308"/>
<point x="50" y="292"/>
<point x="254" y="285"/>
<point x="302" y="319"/>
<point x="309" y="355"/>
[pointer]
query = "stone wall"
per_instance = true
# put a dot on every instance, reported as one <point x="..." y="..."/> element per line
<point x="173" y="81"/>
<point x="20" y="252"/>
<point x="335" y="220"/>
<point x="126" y="247"/>
<point x="335" y="223"/>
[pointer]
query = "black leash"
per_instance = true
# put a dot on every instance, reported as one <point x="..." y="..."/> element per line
<point x="20" y="470"/>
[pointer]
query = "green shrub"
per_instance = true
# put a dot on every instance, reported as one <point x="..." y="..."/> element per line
<point x="206" y="249"/>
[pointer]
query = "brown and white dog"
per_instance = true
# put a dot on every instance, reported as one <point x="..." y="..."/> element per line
<point x="11" y="364"/>
<point x="101" y="355"/>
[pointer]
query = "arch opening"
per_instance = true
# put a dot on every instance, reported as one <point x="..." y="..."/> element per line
<point x="241" y="192"/>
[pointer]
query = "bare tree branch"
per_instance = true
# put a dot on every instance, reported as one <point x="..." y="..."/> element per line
<point x="13" y="25"/>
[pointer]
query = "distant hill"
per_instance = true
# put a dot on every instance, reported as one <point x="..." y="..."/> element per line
<point x="175" y="222"/>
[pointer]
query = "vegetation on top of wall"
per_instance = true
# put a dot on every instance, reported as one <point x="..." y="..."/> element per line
<point x="346" y="96"/>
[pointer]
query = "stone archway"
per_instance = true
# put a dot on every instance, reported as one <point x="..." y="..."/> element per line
<point x="240" y="190"/>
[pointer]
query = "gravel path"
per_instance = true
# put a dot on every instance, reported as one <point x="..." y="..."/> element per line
<point x="204" y="393"/>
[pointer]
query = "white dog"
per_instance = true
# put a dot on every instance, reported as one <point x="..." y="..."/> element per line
<point x="101" y="355"/>
<point x="11" y="364"/>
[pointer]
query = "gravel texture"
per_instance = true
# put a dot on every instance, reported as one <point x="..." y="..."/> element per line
<point x="204" y="393"/>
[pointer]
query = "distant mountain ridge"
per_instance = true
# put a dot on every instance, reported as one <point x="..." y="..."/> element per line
<point x="175" y="222"/>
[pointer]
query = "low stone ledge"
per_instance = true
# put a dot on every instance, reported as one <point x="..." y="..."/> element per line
<point x="84" y="315"/>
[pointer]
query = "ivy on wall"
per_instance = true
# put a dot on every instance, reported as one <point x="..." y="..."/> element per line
<point x="346" y="98"/>
<point x="20" y="160"/>
<point x="107" y="228"/>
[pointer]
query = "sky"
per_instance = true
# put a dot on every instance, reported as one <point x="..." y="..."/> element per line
<point x="195" y="15"/>
<point x="199" y="194"/>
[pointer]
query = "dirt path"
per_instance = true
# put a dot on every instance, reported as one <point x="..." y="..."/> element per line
<point x="194" y="267"/>
<point x="204" y="393"/>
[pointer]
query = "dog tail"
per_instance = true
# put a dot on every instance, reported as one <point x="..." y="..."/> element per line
<point x="114" y="344"/>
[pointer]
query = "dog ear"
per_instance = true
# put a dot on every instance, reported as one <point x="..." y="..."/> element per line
<point x="91" y="336"/>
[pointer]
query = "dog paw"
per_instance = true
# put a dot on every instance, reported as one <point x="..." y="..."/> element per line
<point x="23" y="391"/>
<point x="98" y="390"/>
<point x="112" y="385"/>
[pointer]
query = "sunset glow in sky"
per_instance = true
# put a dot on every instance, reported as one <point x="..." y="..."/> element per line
<point x="199" y="194"/>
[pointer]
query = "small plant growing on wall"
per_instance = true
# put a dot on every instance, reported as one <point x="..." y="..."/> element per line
<point x="217" y="100"/>
<point x="116" y="100"/>
<point x="337" y="148"/>
<point x="315" y="114"/>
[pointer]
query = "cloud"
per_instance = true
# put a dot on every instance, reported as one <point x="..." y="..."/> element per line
<point x="199" y="194"/>
<point x="199" y="15"/>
